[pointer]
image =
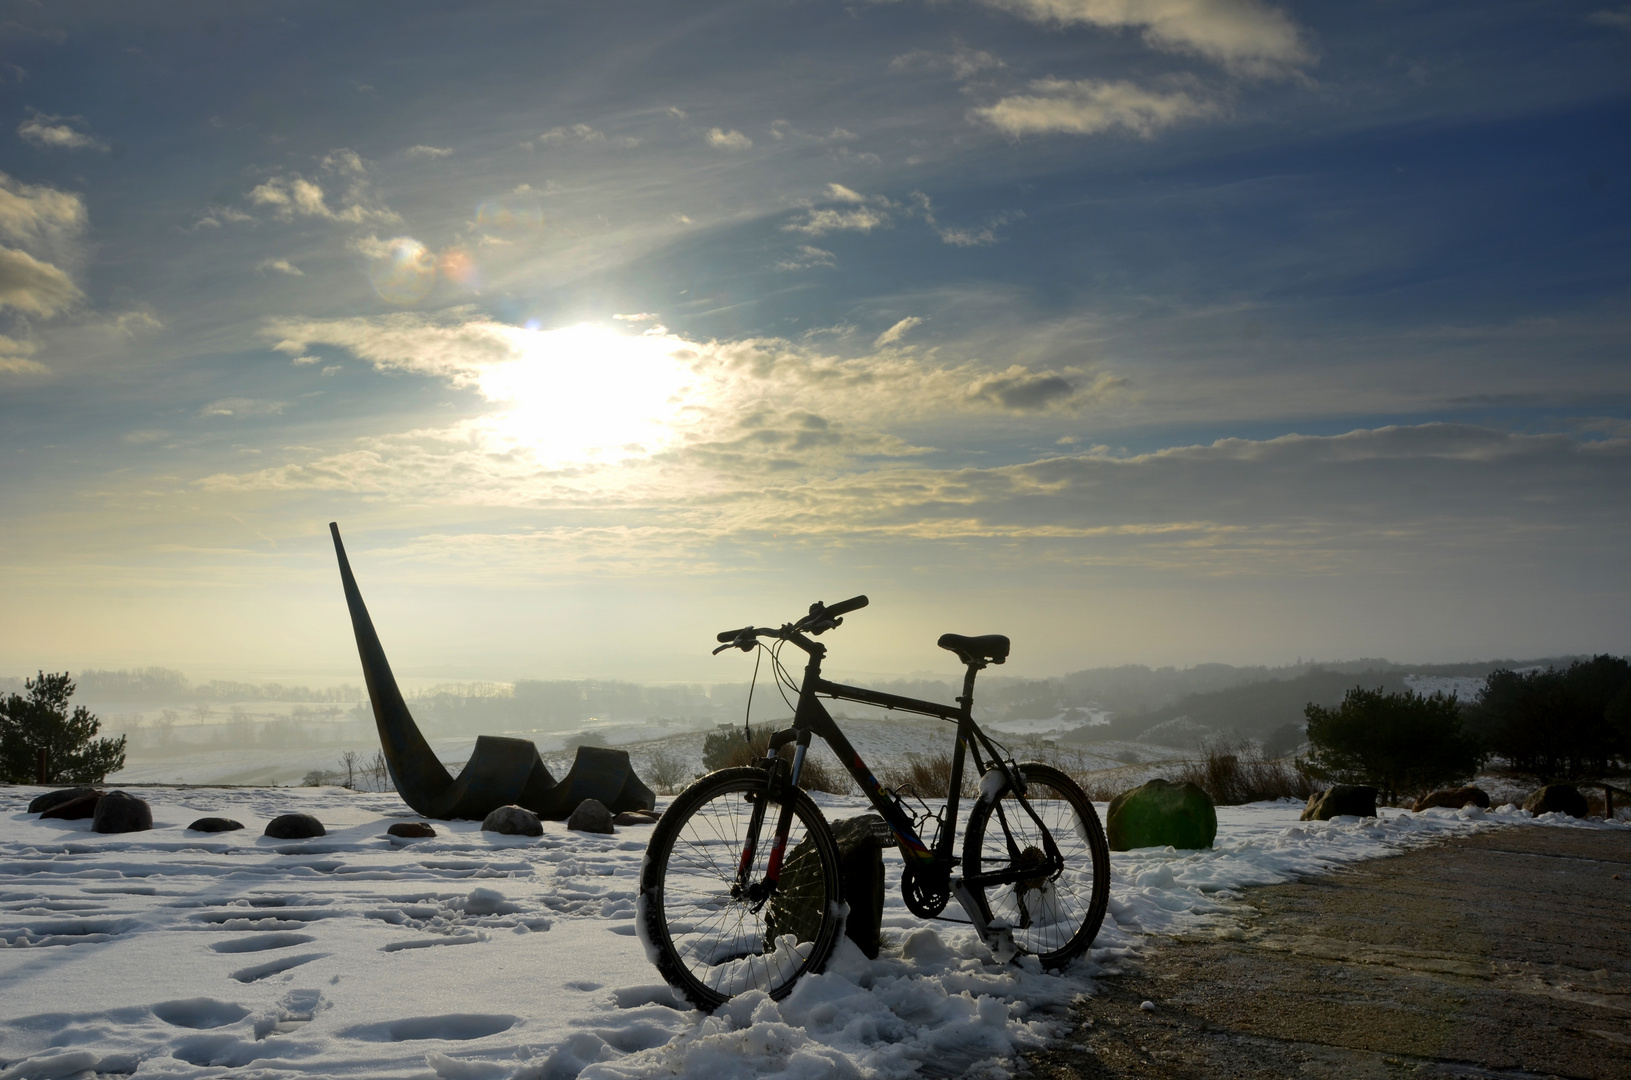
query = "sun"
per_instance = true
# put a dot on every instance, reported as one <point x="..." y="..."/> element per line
<point x="587" y="393"/>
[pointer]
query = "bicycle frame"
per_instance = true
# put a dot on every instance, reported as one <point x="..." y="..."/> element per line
<point x="811" y="718"/>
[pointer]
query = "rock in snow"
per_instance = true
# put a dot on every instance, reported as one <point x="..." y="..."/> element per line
<point x="591" y="816"/>
<point x="215" y="824"/>
<point x="1339" y="800"/>
<point x="1564" y="798"/>
<point x="295" y="827"/>
<point x="118" y="812"/>
<point x="82" y="806"/>
<point x="42" y="803"/>
<point x="1454" y="799"/>
<point x="1161" y="814"/>
<point x="513" y="821"/>
<point x="412" y="830"/>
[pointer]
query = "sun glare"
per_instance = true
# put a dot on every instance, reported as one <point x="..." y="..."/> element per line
<point x="586" y="393"/>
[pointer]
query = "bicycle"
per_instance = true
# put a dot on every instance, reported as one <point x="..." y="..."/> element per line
<point x="722" y="912"/>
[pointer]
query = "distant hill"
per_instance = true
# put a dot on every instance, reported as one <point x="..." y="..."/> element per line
<point x="1264" y="709"/>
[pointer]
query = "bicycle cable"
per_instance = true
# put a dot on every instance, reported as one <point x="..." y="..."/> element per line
<point x="747" y="715"/>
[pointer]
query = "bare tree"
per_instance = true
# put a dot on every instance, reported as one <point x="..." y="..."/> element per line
<point x="348" y="765"/>
<point x="666" y="769"/>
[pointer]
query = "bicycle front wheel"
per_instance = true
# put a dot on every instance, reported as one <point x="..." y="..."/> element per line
<point x="710" y="937"/>
<point x="1055" y="918"/>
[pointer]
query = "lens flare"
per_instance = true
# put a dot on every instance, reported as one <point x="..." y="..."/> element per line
<point x="402" y="271"/>
<point x="457" y="265"/>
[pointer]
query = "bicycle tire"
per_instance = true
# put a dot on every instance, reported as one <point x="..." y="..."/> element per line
<point x="1054" y="919"/>
<point x="709" y="945"/>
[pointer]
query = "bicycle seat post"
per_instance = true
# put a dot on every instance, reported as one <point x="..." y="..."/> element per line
<point x="967" y="700"/>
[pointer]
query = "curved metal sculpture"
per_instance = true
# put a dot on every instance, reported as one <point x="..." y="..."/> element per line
<point x="500" y="772"/>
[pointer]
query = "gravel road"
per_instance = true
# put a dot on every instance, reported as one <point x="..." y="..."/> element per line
<point x="1506" y="954"/>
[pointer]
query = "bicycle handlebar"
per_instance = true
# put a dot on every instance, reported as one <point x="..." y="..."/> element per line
<point x="820" y="619"/>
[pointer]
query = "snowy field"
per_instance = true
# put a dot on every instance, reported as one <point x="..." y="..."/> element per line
<point x="476" y="957"/>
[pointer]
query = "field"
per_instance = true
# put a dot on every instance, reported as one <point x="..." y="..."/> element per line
<point x="474" y="955"/>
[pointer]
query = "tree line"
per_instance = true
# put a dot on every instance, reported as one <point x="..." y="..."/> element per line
<point x="1549" y="724"/>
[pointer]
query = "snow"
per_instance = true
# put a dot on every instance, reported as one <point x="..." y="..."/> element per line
<point x="476" y="956"/>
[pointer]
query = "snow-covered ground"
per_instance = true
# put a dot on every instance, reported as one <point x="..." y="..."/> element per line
<point x="474" y="956"/>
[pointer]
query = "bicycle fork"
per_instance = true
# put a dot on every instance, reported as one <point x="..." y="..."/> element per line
<point x="778" y="780"/>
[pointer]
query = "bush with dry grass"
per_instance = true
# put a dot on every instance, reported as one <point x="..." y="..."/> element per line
<point x="927" y="775"/>
<point x="1241" y="773"/>
<point x="727" y="749"/>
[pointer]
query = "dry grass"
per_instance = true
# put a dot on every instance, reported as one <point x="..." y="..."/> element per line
<point x="1234" y="774"/>
<point x="927" y="775"/>
<point x="819" y="773"/>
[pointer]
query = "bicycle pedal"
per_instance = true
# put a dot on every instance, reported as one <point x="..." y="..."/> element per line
<point x="997" y="937"/>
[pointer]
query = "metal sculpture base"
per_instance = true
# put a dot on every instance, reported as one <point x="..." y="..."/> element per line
<point x="500" y="772"/>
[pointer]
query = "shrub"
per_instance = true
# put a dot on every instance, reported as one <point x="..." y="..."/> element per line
<point x="665" y="769"/>
<point x="726" y="749"/>
<point x="41" y="721"/>
<point x="1394" y="742"/>
<point x="1232" y="775"/>
<point x="1558" y="724"/>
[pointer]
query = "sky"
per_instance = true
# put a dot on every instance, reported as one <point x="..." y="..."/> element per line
<point x="1142" y="331"/>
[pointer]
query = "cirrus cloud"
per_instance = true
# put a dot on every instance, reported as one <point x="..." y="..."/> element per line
<point x="1093" y="107"/>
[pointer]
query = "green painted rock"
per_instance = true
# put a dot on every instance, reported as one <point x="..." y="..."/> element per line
<point x="1162" y="814"/>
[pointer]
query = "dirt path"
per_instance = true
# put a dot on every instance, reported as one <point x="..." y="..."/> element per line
<point x="1506" y="954"/>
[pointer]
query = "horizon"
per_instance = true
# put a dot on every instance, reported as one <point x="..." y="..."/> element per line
<point x="1143" y="333"/>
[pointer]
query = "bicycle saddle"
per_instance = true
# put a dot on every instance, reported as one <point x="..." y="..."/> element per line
<point x="988" y="647"/>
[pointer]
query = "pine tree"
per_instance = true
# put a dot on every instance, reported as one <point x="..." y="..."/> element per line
<point x="42" y="721"/>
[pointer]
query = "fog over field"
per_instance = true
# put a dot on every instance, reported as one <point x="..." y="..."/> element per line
<point x="221" y="731"/>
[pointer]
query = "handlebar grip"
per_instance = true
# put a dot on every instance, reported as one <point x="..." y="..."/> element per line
<point x="730" y="635"/>
<point x="843" y="607"/>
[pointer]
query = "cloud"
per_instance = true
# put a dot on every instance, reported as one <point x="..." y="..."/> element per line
<point x="48" y="132"/>
<point x="36" y="215"/>
<point x="1092" y="107"/>
<point x="962" y="62"/>
<point x="728" y="140"/>
<point x="574" y="132"/>
<point x="806" y="257"/>
<point x="856" y="213"/>
<point x="1020" y="390"/>
<point x="1619" y="20"/>
<point x="428" y="151"/>
<point x="1245" y="36"/>
<point x="639" y="316"/>
<point x="241" y="407"/>
<point x="958" y="236"/>
<point x="34" y="287"/>
<point x="282" y="266"/>
<point x="896" y="332"/>
<point x="294" y="195"/>
<point x="14" y="358"/>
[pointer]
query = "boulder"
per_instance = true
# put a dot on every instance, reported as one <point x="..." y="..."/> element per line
<point x="513" y="821"/>
<point x="1453" y="799"/>
<point x="215" y="824"/>
<point x="295" y="827"/>
<point x="633" y="817"/>
<point x="74" y="809"/>
<point x="1565" y="798"/>
<point x="42" y="803"/>
<point x="860" y="841"/>
<point x="1355" y="800"/>
<point x="118" y="812"/>
<point x="1162" y="814"/>
<point x="412" y="830"/>
<point x="591" y="816"/>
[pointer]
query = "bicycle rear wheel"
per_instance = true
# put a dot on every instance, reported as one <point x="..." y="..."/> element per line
<point x="1054" y="918"/>
<point x="709" y="940"/>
